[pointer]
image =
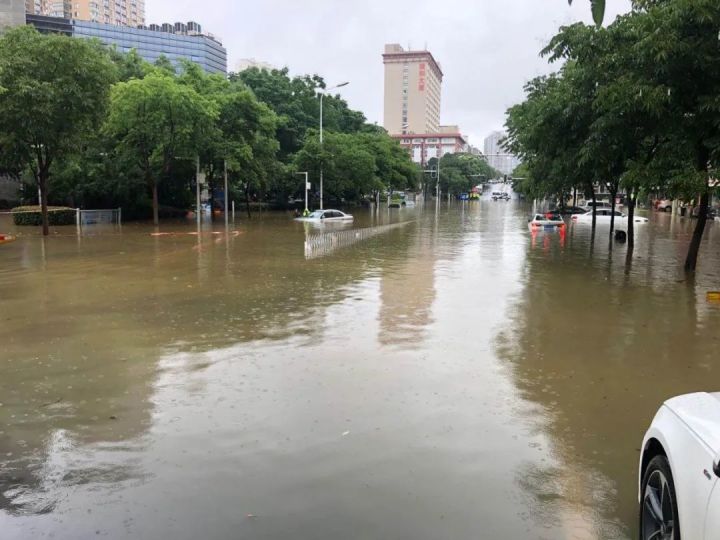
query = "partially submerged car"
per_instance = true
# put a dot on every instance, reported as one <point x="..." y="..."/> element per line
<point x="325" y="216"/>
<point x="546" y="221"/>
<point x="604" y="217"/>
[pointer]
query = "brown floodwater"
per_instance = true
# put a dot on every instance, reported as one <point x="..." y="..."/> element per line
<point x="456" y="377"/>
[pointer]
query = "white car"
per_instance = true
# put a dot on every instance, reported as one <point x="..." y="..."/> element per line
<point x="665" y="205"/>
<point x="604" y="216"/>
<point x="679" y="488"/>
<point x="325" y="216"/>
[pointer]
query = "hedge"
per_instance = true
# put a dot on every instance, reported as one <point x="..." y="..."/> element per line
<point x="31" y="215"/>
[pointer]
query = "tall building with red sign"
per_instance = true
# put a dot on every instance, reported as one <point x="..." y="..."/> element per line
<point x="413" y="81"/>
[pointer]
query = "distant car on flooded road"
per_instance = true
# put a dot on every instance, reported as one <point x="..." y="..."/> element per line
<point x="679" y="474"/>
<point x="500" y="196"/>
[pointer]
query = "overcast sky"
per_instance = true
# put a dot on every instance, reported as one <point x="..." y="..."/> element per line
<point x="487" y="48"/>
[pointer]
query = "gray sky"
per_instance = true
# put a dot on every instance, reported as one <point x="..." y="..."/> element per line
<point x="487" y="48"/>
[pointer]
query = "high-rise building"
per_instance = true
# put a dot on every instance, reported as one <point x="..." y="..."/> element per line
<point x="187" y="43"/>
<point x="117" y="12"/>
<point x="12" y="13"/>
<point x="497" y="156"/>
<point x="413" y="81"/>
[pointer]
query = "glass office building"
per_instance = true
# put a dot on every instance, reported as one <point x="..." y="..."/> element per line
<point x="189" y="43"/>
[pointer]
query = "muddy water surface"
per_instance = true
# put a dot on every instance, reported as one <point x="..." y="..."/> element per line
<point x="452" y="378"/>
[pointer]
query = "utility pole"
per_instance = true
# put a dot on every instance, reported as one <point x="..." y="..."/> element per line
<point x="322" y="93"/>
<point x="307" y="187"/>
<point x="437" y="184"/>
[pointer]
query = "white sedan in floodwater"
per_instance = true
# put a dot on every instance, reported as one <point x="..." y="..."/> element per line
<point x="325" y="216"/>
<point x="604" y="216"/>
<point x="679" y="488"/>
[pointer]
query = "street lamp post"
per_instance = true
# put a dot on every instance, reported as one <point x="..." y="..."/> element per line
<point x="307" y="187"/>
<point x="437" y="181"/>
<point x="437" y="184"/>
<point x="322" y="93"/>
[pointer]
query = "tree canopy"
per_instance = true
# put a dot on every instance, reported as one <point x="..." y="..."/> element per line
<point x="95" y="127"/>
<point x="55" y="93"/>
<point x="634" y="106"/>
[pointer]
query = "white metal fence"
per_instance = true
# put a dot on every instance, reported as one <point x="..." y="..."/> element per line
<point x="321" y="244"/>
<point x="99" y="217"/>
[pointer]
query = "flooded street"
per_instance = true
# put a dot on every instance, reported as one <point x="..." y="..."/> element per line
<point x="452" y="378"/>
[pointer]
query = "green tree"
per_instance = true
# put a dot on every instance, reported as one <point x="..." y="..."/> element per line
<point x="129" y="65"/>
<point x="296" y="103"/>
<point x="56" y="93"/>
<point x="155" y="121"/>
<point x="164" y="64"/>
<point x="549" y="130"/>
<point x="244" y="134"/>
<point x="679" y="56"/>
<point x="661" y="76"/>
<point x="459" y="172"/>
<point x="357" y="165"/>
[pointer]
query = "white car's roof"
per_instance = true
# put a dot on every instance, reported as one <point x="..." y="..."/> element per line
<point x="701" y="413"/>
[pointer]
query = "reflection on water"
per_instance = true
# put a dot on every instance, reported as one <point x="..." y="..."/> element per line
<point x="455" y="378"/>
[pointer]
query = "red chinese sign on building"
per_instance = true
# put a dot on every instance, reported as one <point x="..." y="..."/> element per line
<point x="421" y="78"/>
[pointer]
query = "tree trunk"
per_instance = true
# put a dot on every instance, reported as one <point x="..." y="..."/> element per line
<point x="613" y="194"/>
<point x="156" y="210"/>
<point x="210" y="179"/>
<point x="594" y="211"/>
<point x="44" y="203"/>
<point x="247" y="198"/>
<point x="574" y="196"/>
<point x="631" y="221"/>
<point x="694" y="249"/>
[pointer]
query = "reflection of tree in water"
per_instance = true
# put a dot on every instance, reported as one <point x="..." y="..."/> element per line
<point x="407" y="292"/>
<point x="599" y="351"/>
<point x="407" y="287"/>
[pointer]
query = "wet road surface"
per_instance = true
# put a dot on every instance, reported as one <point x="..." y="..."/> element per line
<point x="453" y="378"/>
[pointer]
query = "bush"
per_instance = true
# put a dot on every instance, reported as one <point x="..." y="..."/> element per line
<point x="31" y="215"/>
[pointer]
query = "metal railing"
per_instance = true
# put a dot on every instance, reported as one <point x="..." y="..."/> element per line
<point x="99" y="217"/>
<point x="321" y="244"/>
